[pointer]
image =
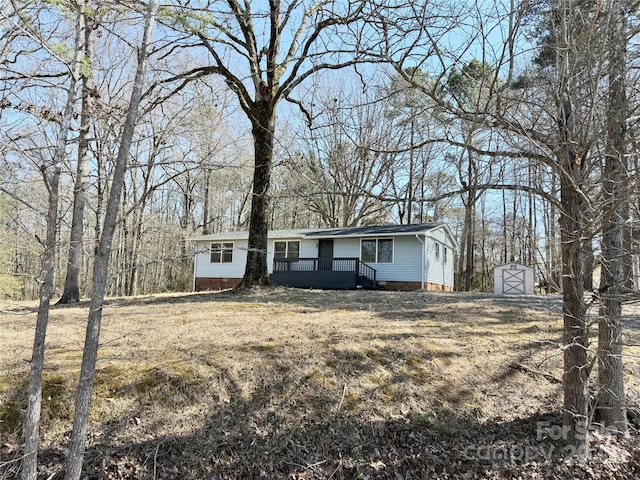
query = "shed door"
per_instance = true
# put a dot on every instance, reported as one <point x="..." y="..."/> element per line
<point x="513" y="280"/>
<point x="325" y="255"/>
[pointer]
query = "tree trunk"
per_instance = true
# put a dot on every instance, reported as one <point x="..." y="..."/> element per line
<point x="52" y="181"/>
<point x="256" y="272"/>
<point x="71" y="292"/>
<point x="505" y="236"/>
<point x="32" y="419"/>
<point x="555" y="257"/>
<point x="576" y="397"/>
<point x="206" y="214"/>
<point x="616" y="255"/>
<point x="132" y="269"/>
<point x="572" y="226"/>
<point x="469" y="222"/>
<point x="589" y="265"/>
<point x="411" y="179"/>
<point x="484" y="275"/>
<point x="101" y="266"/>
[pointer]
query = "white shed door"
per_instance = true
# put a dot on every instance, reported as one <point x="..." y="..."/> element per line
<point x="513" y="280"/>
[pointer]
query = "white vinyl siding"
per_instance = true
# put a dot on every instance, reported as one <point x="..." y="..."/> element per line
<point x="346" y="248"/>
<point x="406" y="257"/>
<point x="439" y="262"/>
<point x="406" y="266"/>
<point x="234" y="269"/>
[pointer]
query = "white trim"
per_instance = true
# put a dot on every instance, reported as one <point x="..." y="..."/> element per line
<point x="286" y="247"/>
<point x="377" y="239"/>
<point x="322" y="233"/>
<point x="222" y="250"/>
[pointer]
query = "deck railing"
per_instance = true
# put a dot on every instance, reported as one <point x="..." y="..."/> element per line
<point x="324" y="265"/>
<point x="367" y="271"/>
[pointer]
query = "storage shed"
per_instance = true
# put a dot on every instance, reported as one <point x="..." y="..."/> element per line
<point x="513" y="279"/>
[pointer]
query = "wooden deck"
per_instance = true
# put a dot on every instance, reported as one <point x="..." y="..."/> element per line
<point x="333" y="273"/>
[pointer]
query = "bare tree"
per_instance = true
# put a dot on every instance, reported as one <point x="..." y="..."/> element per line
<point x="418" y="169"/>
<point x="549" y="118"/>
<point x="71" y="292"/>
<point x="263" y="56"/>
<point x="51" y="175"/>
<point x="345" y="158"/>
<point x="469" y="87"/>
<point x="616" y="244"/>
<point x="101" y="267"/>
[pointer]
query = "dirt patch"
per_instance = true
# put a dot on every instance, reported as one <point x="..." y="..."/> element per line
<point x="284" y="383"/>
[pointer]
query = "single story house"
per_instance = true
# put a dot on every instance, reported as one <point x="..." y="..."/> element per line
<point x="394" y="257"/>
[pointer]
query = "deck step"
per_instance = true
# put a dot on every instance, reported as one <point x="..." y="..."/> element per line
<point x="366" y="282"/>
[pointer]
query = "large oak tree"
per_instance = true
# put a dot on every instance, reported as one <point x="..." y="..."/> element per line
<point x="264" y="53"/>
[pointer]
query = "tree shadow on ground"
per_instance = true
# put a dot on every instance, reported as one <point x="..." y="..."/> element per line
<point x="381" y="300"/>
<point x="279" y="430"/>
<point x="257" y="438"/>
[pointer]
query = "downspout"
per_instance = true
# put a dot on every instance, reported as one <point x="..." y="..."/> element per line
<point x="422" y="259"/>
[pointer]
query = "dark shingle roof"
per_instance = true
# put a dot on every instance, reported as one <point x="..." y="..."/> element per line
<point x="371" y="230"/>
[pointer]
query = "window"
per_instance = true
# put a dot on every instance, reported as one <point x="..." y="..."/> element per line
<point x="445" y="255"/>
<point x="385" y="251"/>
<point x="368" y="251"/>
<point x="437" y="251"/>
<point x="289" y="249"/>
<point x="221" y="253"/>
<point x="378" y="250"/>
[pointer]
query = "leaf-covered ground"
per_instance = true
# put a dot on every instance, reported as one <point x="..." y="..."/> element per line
<point x="304" y="384"/>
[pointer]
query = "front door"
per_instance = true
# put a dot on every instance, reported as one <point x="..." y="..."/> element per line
<point x="325" y="255"/>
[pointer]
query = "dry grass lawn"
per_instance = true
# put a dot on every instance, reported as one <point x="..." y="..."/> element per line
<point x="283" y="383"/>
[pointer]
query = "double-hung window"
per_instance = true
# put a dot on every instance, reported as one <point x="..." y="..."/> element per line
<point x="376" y="250"/>
<point x="289" y="249"/>
<point x="221" y="252"/>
